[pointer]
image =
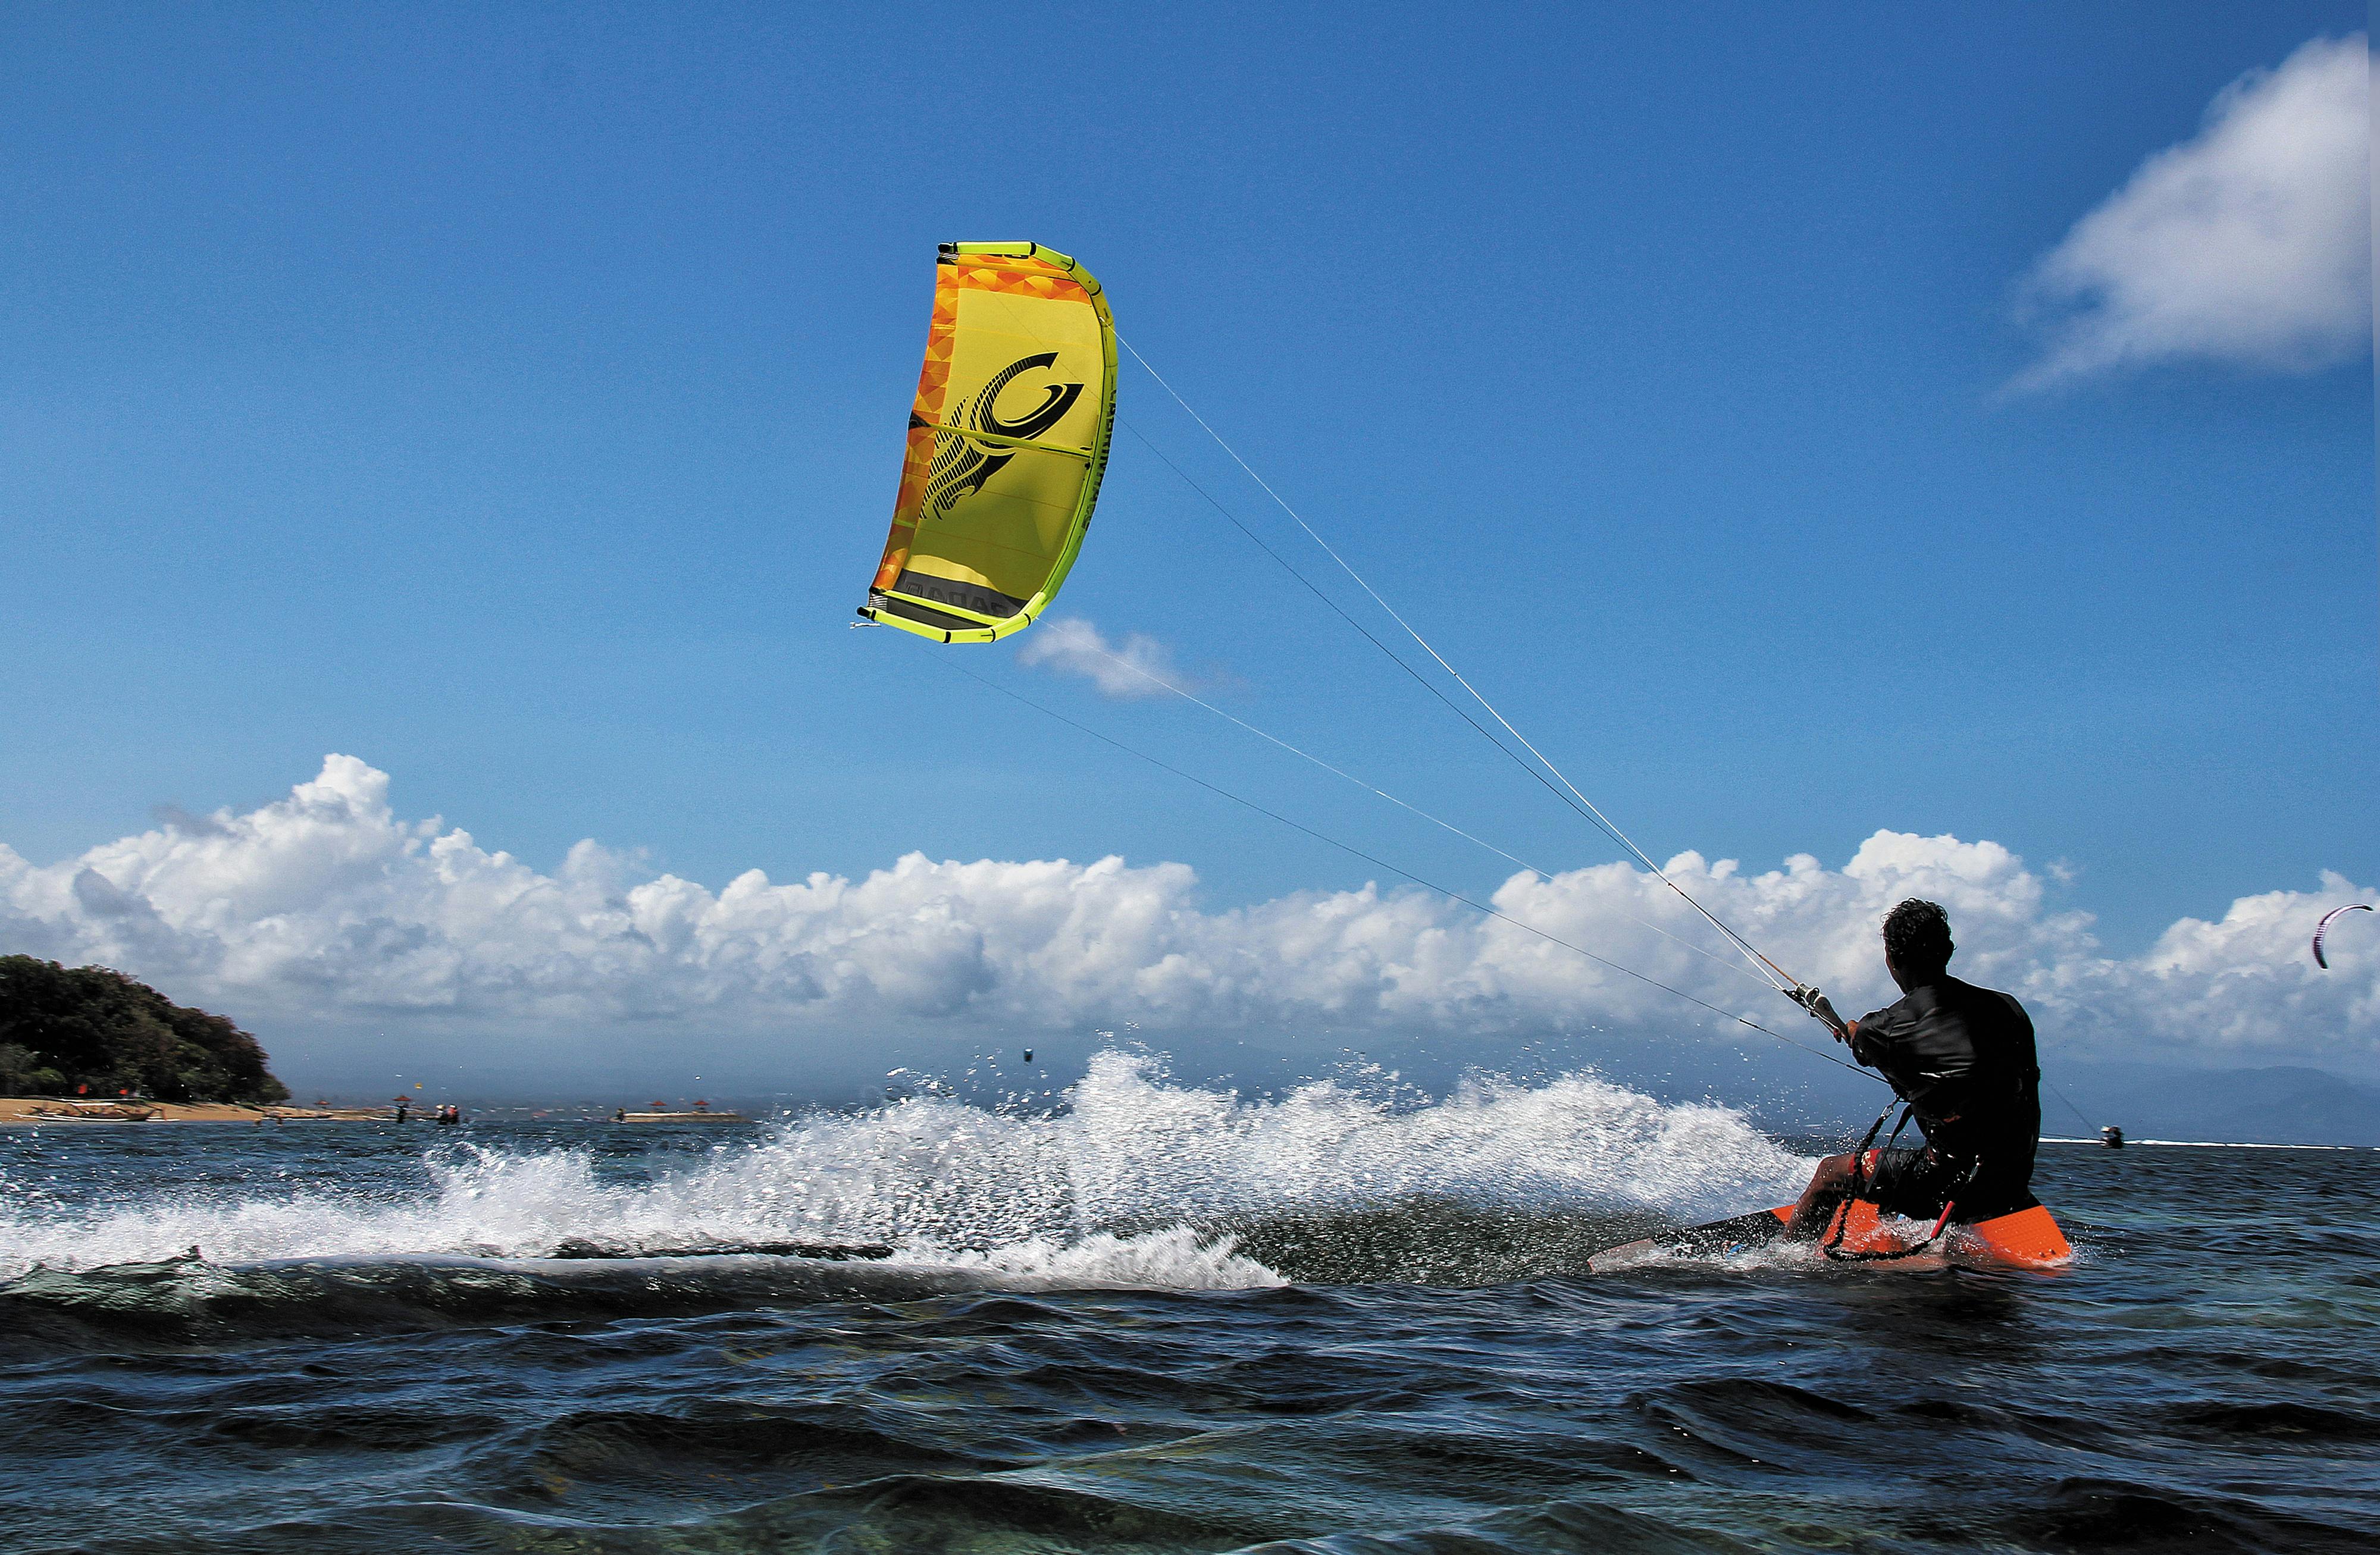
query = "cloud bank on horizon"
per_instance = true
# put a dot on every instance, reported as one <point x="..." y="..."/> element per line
<point x="2249" y="243"/>
<point x="327" y="907"/>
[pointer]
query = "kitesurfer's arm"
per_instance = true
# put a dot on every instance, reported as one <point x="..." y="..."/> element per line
<point x="1867" y="1037"/>
<point x="1891" y="1041"/>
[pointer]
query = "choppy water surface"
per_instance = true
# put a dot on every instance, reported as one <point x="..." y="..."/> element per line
<point x="1165" y="1319"/>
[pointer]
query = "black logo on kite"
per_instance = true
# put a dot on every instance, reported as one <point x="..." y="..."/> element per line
<point x="962" y="465"/>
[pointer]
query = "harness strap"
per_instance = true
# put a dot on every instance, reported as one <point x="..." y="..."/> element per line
<point x="1859" y="1170"/>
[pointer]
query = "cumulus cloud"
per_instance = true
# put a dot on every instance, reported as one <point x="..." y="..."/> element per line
<point x="327" y="907"/>
<point x="2250" y="243"/>
<point x="1133" y="667"/>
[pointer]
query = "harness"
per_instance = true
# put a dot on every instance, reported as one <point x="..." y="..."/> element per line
<point x="1831" y="1246"/>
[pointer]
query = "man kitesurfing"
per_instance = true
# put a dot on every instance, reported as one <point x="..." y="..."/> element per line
<point x="1963" y="1059"/>
<point x="1008" y="440"/>
<point x="1960" y="1059"/>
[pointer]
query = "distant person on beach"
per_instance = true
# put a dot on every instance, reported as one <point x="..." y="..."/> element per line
<point x="1963" y="1058"/>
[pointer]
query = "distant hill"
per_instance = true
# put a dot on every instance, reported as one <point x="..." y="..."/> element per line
<point x="2282" y="1105"/>
<point x="66" y="1026"/>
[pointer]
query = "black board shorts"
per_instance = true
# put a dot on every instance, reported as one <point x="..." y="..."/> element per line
<point x="1916" y="1182"/>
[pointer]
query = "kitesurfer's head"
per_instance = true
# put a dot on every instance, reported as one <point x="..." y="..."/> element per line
<point x="1917" y="942"/>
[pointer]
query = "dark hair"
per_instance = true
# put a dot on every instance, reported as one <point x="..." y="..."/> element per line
<point x="1917" y="938"/>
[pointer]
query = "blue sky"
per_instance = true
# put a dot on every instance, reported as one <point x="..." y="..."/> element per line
<point x="513" y="401"/>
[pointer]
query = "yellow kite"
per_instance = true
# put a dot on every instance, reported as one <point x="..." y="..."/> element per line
<point x="1007" y="441"/>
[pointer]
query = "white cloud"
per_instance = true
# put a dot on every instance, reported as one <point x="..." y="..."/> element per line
<point x="326" y="907"/>
<point x="2249" y="243"/>
<point x="1072" y="646"/>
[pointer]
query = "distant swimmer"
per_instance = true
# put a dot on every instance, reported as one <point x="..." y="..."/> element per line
<point x="1963" y="1058"/>
<point x="1028" y="1055"/>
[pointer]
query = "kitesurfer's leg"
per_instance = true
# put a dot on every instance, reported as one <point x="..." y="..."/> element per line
<point x="1830" y="1185"/>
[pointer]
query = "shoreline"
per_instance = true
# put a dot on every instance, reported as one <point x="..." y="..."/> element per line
<point x="82" y="1111"/>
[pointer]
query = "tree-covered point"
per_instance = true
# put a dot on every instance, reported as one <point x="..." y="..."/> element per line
<point x="66" y="1026"/>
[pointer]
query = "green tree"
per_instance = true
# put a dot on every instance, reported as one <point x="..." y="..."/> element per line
<point x="19" y="1067"/>
<point x="76" y="1026"/>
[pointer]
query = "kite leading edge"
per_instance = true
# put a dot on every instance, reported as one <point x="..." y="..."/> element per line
<point x="1008" y="439"/>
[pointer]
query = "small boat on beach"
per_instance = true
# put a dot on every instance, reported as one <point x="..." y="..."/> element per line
<point x="96" y="1111"/>
<point x="702" y="1112"/>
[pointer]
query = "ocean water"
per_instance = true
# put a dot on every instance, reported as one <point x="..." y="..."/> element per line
<point x="1162" y="1318"/>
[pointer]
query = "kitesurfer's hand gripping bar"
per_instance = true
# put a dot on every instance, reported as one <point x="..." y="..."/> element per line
<point x="1816" y="1003"/>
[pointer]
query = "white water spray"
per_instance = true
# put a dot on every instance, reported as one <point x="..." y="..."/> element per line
<point x="1141" y="1181"/>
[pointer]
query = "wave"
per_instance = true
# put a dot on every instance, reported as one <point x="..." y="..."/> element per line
<point x="1138" y="1180"/>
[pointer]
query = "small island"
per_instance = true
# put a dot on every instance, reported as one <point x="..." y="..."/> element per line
<point x="89" y="1036"/>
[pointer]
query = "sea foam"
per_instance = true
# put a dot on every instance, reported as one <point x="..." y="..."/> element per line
<point x="1138" y="1180"/>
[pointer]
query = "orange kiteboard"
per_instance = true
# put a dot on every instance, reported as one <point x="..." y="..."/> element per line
<point x="2027" y="1238"/>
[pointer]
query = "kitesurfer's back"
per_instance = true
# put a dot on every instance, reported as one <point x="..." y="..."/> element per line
<point x="1963" y="1057"/>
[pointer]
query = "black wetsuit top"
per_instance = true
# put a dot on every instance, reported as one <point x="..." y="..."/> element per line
<point x="1963" y="1057"/>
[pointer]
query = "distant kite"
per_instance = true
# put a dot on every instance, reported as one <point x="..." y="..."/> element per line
<point x="2323" y="927"/>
